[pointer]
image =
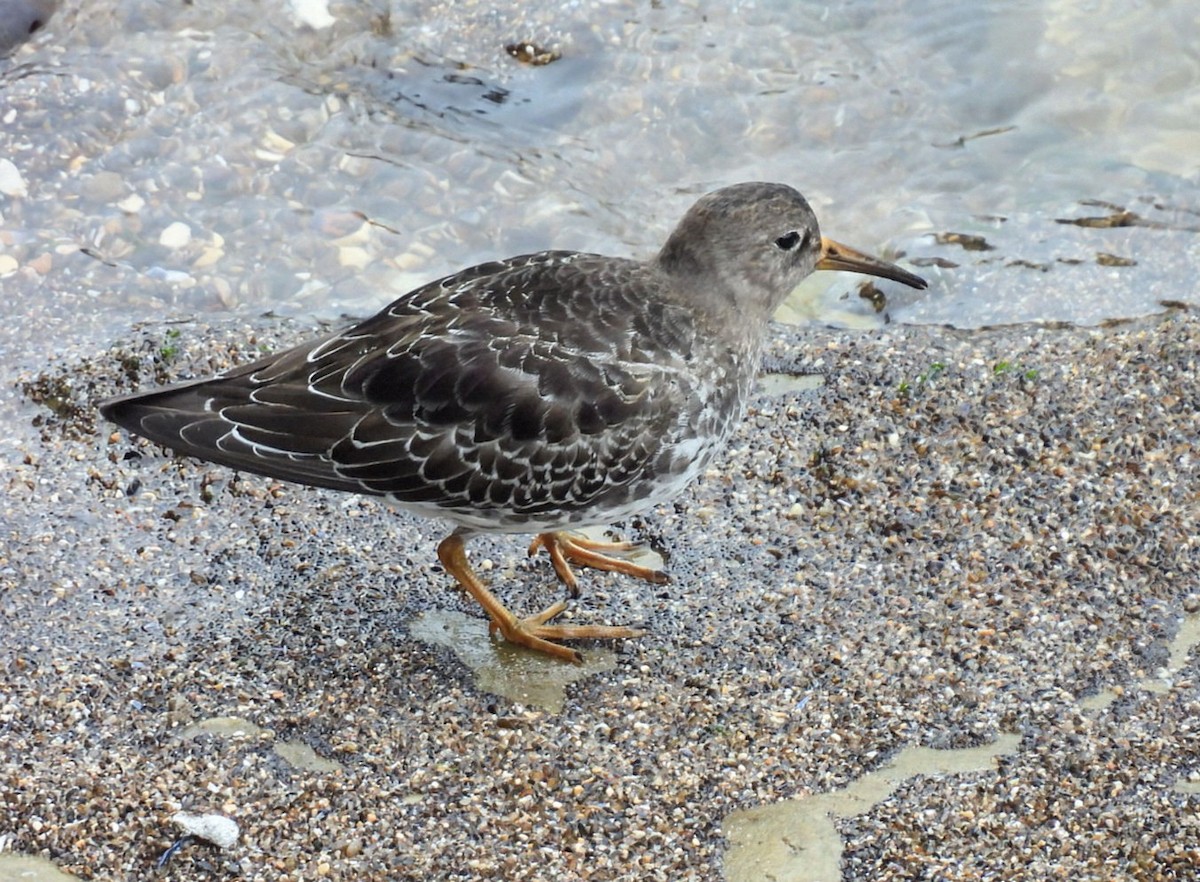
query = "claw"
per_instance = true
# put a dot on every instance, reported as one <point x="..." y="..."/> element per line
<point x="565" y="548"/>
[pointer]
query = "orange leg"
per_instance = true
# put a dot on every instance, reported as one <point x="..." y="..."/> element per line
<point x="532" y="631"/>
<point x="566" y="549"/>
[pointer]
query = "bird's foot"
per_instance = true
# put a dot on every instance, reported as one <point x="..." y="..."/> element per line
<point x="566" y="548"/>
<point x="531" y="632"/>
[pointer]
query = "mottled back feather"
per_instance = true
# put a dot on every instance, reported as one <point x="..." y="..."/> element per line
<point x="508" y="393"/>
<point x="529" y="394"/>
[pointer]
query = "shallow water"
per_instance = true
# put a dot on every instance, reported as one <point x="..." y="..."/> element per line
<point x="174" y="159"/>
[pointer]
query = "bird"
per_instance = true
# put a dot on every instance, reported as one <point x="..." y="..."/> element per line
<point x="541" y="394"/>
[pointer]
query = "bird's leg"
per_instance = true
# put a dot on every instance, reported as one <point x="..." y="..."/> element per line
<point x="532" y="631"/>
<point x="565" y="549"/>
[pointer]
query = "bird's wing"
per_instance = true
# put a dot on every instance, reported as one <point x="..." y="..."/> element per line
<point x="520" y="385"/>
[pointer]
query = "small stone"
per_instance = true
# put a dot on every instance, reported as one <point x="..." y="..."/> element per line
<point x="105" y="186"/>
<point x="176" y="235"/>
<point x="276" y="143"/>
<point x="132" y="204"/>
<point x="219" y="830"/>
<point x="209" y="256"/>
<point x="11" y="182"/>
<point x="354" y="257"/>
<point x="410" y="260"/>
<point x="341" y="225"/>
<point x="314" y="13"/>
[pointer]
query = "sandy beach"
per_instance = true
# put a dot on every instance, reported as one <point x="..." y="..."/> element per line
<point x="954" y="539"/>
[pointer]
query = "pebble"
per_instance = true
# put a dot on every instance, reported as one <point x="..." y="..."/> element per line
<point x="105" y="186"/>
<point x="313" y="13"/>
<point x="131" y="204"/>
<point x="217" y="829"/>
<point x="209" y="256"/>
<point x="175" y="235"/>
<point x="11" y="182"/>
<point x="354" y="257"/>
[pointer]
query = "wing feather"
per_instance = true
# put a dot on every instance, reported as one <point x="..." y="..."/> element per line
<point x="520" y="386"/>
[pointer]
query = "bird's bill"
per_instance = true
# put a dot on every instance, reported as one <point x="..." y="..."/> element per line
<point x="836" y="256"/>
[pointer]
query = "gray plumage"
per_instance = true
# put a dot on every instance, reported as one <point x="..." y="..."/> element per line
<point x="534" y="394"/>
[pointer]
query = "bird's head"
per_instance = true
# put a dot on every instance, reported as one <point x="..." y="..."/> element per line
<point x="753" y="243"/>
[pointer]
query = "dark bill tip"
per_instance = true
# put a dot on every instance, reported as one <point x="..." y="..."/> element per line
<point x="836" y="256"/>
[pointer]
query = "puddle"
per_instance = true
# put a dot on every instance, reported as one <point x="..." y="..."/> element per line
<point x="28" y="868"/>
<point x="1099" y="701"/>
<point x="504" y="669"/>
<point x="1186" y="638"/>
<point x="1163" y="679"/>
<point x="797" y="840"/>
<point x="300" y="756"/>
<point x="295" y="753"/>
<point x="222" y="727"/>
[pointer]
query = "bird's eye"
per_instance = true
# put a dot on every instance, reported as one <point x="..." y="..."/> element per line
<point x="788" y="241"/>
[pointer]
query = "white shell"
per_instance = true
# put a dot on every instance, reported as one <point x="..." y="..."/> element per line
<point x="221" y="831"/>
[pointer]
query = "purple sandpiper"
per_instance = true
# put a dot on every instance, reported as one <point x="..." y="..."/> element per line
<point x="539" y="394"/>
